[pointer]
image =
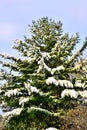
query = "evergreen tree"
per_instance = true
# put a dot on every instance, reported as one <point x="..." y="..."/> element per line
<point x="42" y="80"/>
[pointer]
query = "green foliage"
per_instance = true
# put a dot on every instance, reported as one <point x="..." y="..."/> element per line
<point x="35" y="119"/>
<point x="42" y="81"/>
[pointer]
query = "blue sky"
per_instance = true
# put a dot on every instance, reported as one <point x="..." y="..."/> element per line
<point x="15" y="15"/>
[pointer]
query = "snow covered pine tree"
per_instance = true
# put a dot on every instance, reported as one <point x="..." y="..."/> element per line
<point x="42" y="81"/>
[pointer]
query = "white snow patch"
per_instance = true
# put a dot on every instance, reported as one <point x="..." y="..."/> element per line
<point x="67" y="92"/>
<point x="52" y="80"/>
<point x="65" y="83"/>
<point x="57" y="69"/>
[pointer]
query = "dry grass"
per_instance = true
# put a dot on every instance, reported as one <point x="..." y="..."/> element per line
<point x="75" y="119"/>
<point x="1" y="124"/>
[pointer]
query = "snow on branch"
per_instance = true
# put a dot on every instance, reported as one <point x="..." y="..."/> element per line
<point x="59" y="68"/>
<point x="65" y="83"/>
<point x="13" y="92"/>
<point x="10" y="57"/>
<point x="51" y="128"/>
<point x="79" y="84"/>
<point x="30" y="88"/>
<point x="70" y="93"/>
<point x="37" y="109"/>
<point x="74" y="56"/>
<point x="23" y="100"/>
<point x="42" y="65"/>
<point x="16" y="111"/>
<point x="52" y="80"/>
<point x="47" y="68"/>
<point x="83" y="94"/>
<point x="9" y="65"/>
<point x="46" y="55"/>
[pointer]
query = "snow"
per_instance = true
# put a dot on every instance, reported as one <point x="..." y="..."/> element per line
<point x="30" y="88"/>
<point x="79" y="84"/>
<point x="23" y="100"/>
<point x="83" y="94"/>
<point x="39" y="109"/>
<point x="40" y="68"/>
<point x="57" y="69"/>
<point x="69" y="92"/>
<point x="47" y="68"/>
<point x="46" y="55"/>
<point x="0" y="91"/>
<point x="51" y="128"/>
<point x="12" y="92"/>
<point x="16" y="111"/>
<point x="34" y="89"/>
<point x="52" y="80"/>
<point x="42" y="65"/>
<point x="65" y="83"/>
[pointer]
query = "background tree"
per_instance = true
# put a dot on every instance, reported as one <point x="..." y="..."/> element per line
<point x="42" y="81"/>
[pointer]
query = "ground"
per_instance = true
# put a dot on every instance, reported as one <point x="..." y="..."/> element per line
<point x="75" y="119"/>
<point x="1" y="123"/>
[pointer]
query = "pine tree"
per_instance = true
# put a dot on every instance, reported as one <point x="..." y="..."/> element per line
<point x="43" y="79"/>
